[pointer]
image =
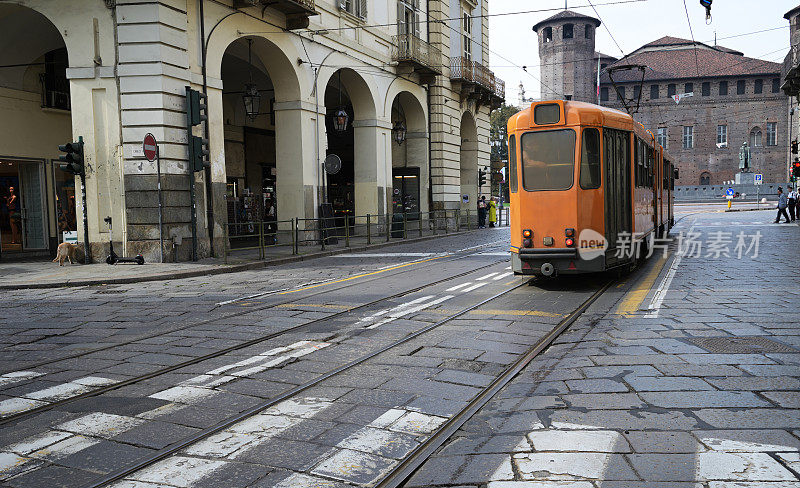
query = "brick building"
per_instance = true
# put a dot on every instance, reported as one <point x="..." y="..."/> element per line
<point x="729" y="99"/>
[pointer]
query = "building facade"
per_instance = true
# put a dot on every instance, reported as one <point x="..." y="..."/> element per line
<point x="320" y="78"/>
<point x="724" y="99"/>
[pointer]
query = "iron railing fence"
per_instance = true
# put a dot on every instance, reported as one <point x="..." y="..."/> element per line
<point x="408" y="47"/>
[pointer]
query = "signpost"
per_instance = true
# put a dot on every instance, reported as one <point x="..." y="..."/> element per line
<point x="759" y="179"/>
<point x="150" y="148"/>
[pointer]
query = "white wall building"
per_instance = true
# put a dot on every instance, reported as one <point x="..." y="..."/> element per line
<point x="112" y="71"/>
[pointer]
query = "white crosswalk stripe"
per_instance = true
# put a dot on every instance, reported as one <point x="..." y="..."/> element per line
<point x="486" y="277"/>
<point x="462" y="285"/>
<point x="34" y="399"/>
<point x="474" y="287"/>
<point x="501" y="276"/>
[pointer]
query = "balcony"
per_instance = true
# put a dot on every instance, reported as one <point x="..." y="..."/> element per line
<point x="297" y="11"/>
<point x="477" y="81"/>
<point x="411" y="50"/>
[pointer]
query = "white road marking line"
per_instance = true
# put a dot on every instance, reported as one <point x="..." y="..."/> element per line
<point x="17" y="405"/>
<point x="473" y="287"/>
<point x="297" y="480"/>
<point x="177" y="471"/>
<point x="35" y="443"/>
<point x="34" y="399"/>
<point x="501" y="276"/>
<point x="462" y="285"/>
<point x="661" y="291"/>
<point x="486" y="277"/>
<point x="17" y="376"/>
<point x="391" y="255"/>
<point x="408" y="311"/>
<point x="508" y="267"/>
<point x="397" y="308"/>
<point x="100" y="424"/>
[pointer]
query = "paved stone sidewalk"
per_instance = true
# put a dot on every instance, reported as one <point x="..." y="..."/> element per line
<point x="701" y="392"/>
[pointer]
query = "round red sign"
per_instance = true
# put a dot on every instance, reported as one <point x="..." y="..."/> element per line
<point x="150" y="147"/>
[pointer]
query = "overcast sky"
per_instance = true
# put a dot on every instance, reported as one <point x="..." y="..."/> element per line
<point x="632" y="25"/>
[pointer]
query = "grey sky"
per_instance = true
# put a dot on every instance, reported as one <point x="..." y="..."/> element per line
<point x="634" y="24"/>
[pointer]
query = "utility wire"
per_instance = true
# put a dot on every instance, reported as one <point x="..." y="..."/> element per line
<point x="691" y="32"/>
<point x="606" y="26"/>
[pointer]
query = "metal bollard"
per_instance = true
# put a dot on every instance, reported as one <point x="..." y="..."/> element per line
<point x="388" y="227"/>
<point x="405" y="227"/>
<point x="420" y="224"/>
<point x="225" y="244"/>
<point x="369" y="232"/>
<point x="346" y="230"/>
<point x="261" y="250"/>
<point x="469" y="221"/>
<point x="294" y="236"/>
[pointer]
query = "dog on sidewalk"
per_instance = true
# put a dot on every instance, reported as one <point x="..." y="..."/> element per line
<point x="66" y="251"/>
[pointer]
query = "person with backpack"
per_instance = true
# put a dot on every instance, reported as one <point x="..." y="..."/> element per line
<point x="482" y="212"/>
<point x="783" y="202"/>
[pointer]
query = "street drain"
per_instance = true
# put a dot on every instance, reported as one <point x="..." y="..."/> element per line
<point x="741" y="345"/>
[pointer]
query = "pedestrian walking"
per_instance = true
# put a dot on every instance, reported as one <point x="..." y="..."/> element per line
<point x="492" y="212"/>
<point x="482" y="212"/>
<point x="783" y="202"/>
<point x="792" y="204"/>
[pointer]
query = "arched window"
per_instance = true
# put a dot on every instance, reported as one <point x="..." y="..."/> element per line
<point x="547" y="34"/>
<point x="755" y="137"/>
<point x="705" y="178"/>
<point x="568" y="31"/>
<point x="588" y="32"/>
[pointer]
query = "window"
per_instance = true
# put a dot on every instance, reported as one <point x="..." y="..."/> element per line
<point x="776" y="85"/>
<point x="671" y="90"/>
<point x="706" y="88"/>
<point x="637" y="91"/>
<point x="548" y="159"/>
<point x="547" y="34"/>
<point x="705" y="179"/>
<point x="688" y="137"/>
<point x="604" y="94"/>
<point x="740" y="87"/>
<point x="467" y="37"/>
<point x="758" y="86"/>
<point x="772" y="133"/>
<point x="755" y="137"/>
<point x="662" y="137"/>
<point x="354" y="7"/>
<point x="688" y="88"/>
<point x="653" y="92"/>
<point x="723" y="88"/>
<point x="512" y="164"/>
<point x="590" y="159"/>
<point x="588" y="32"/>
<point x="568" y="31"/>
<point x="722" y="136"/>
<point x="620" y="93"/>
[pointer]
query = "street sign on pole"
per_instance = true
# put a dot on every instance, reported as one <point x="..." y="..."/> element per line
<point x="150" y="147"/>
<point x="729" y="193"/>
<point x="759" y="178"/>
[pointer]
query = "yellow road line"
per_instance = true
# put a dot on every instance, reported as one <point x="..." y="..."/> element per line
<point x="529" y="313"/>
<point x="635" y="296"/>
<point x="360" y="276"/>
<point x="313" y="305"/>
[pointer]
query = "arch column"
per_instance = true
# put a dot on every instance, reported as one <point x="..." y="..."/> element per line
<point x="469" y="174"/>
<point x="417" y="156"/>
<point x="372" y="165"/>
<point x="297" y="168"/>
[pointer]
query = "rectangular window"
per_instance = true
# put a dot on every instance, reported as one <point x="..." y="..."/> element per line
<point x="722" y="136"/>
<point x="671" y="90"/>
<point x="590" y="159"/>
<point x="758" y="86"/>
<point x="467" y="37"/>
<point x="688" y="137"/>
<point x="654" y="92"/>
<point x="706" y="89"/>
<point x="740" y="87"/>
<point x="776" y="85"/>
<point x="637" y="90"/>
<point x="772" y="133"/>
<point x="662" y="137"/>
<point x="548" y="160"/>
<point x="512" y="164"/>
<point x="354" y="7"/>
<point x="723" y="88"/>
<point x="620" y="93"/>
<point x="604" y="94"/>
<point x="688" y="88"/>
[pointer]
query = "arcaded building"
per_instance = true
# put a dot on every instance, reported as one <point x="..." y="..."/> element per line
<point x="399" y="91"/>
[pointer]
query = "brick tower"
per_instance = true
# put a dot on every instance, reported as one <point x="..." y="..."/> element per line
<point x="567" y="56"/>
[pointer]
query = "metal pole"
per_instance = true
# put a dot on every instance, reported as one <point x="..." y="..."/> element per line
<point x="261" y="240"/>
<point x="225" y="244"/>
<point x="193" y="201"/>
<point x="87" y="251"/>
<point x="346" y="230"/>
<point x="369" y="234"/>
<point x="294" y="235"/>
<point x="387" y="223"/>
<point x="405" y="227"/>
<point x="160" y="208"/>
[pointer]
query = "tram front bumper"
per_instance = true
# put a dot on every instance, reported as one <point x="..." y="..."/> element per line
<point x="551" y="262"/>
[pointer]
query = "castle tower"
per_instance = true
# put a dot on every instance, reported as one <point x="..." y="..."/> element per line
<point x="567" y="56"/>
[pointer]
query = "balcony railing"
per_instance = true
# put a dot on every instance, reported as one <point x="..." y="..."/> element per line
<point x="297" y="11"/>
<point x="55" y="91"/>
<point x="409" y="48"/>
<point x="464" y="70"/>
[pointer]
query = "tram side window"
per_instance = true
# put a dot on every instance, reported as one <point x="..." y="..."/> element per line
<point x="512" y="164"/>
<point x="590" y="159"/>
<point x="548" y="159"/>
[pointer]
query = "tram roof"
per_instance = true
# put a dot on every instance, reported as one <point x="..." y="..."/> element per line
<point x="575" y="113"/>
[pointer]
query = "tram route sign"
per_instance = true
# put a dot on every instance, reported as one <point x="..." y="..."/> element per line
<point x="150" y="147"/>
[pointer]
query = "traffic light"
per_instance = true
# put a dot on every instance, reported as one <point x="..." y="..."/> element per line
<point x="794" y="147"/>
<point x="796" y="169"/>
<point x="196" y="112"/>
<point x="481" y="178"/>
<point x="73" y="159"/>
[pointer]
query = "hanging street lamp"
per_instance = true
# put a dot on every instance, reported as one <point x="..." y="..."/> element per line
<point x="251" y="97"/>
<point x="399" y="132"/>
<point x="340" y="119"/>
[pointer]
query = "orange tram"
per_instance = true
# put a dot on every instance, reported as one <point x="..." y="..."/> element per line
<point x="589" y="186"/>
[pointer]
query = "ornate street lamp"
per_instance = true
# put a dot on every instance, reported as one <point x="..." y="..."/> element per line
<point x="251" y="97"/>
<point x="399" y="132"/>
<point x="340" y="119"/>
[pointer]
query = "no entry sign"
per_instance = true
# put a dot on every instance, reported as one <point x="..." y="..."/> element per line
<point x="150" y="147"/>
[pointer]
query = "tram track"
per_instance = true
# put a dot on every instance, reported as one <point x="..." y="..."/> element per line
<point x="255" y="341"/>
<point x="443" y="259"/>
<point x="406" y="467"/>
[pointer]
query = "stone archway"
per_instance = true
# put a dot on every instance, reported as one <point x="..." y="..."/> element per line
<point x="409" y="158"/>
<point x="469" y="163"/>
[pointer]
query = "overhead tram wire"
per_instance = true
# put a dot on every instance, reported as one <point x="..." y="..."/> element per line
<point x="606" y="25"/>
<point x="691" y="32"/>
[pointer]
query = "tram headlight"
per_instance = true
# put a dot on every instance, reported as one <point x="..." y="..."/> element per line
<point x="569" y="232"/>
<point x="527" y="243"/>
<point x="569" y="242"/>
<point x="527" y="233"/>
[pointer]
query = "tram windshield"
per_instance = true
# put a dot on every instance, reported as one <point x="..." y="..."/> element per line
<point x="548" y="159"/>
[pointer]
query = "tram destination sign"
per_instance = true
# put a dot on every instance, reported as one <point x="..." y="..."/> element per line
<point x="150" y="147"/>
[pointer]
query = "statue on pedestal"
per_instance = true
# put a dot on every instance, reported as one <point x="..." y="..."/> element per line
<point x="744" y="158"/>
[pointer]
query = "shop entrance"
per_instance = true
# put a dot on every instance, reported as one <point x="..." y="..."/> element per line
<point x="22" y="206"/>
<point x="405" y="192"/>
